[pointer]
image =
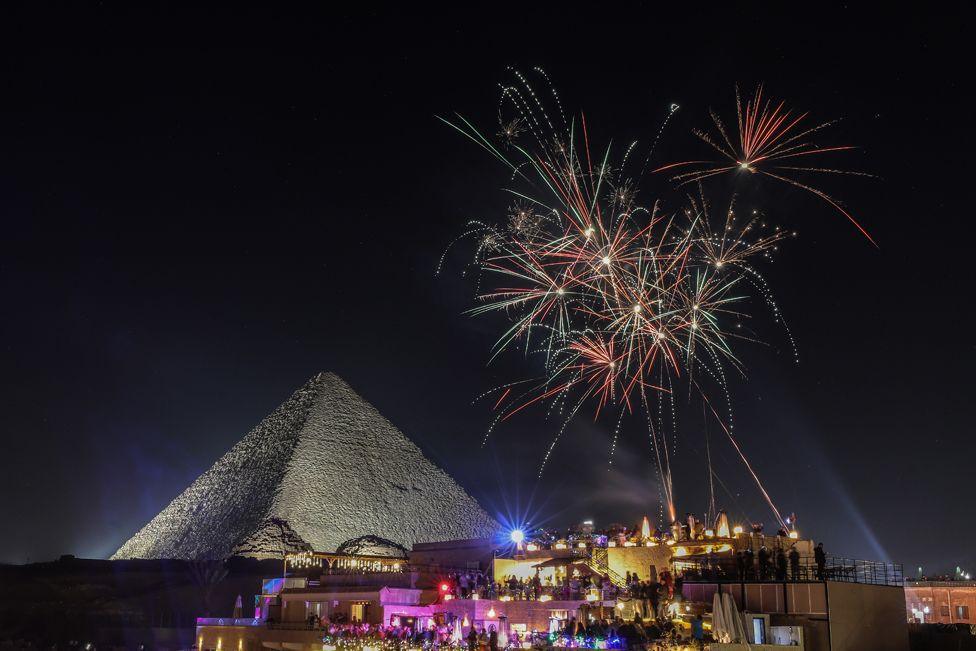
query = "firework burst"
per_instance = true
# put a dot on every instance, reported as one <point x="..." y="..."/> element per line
<point x="623" y="300"/>
<point x="770" y="141"/>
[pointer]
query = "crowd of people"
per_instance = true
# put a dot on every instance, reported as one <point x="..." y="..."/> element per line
<point x="611" y="633"/>
<point x="778" y="564"/>
<point x="575" y="586"/>
<point x="617" y="633"/>
<point x="362" y="634"/>
<point x="359" y="636"/>
<point x="650" y="601"/>
<point x="652" y="597"/>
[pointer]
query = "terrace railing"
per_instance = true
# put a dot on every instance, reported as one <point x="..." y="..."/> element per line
<point x="599" y="562"/>
<point x="836" y="568"/>
<point x="851" y="570"/>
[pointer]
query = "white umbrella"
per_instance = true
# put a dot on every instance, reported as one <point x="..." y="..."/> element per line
<point x="456" y="633"/>
<point x="719" y="627"/>
<point x="238" y="608"/>
<point x="733" y="619"/>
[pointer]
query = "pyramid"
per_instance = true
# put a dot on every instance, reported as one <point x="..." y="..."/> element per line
<point x="324" y="468"/>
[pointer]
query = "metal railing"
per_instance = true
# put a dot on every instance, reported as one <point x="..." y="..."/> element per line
<point x="566" y="592"/>
<point x="852" y="570"/>
<point x="807" y="570"/>
<point x="401" y="567"/>
<point x="598" y="561"/>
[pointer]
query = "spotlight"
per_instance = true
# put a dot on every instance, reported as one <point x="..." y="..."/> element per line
<point x="517" y="536"/>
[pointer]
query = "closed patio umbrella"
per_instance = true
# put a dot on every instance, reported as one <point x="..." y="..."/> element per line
<point x="719" y="626"/>
<point x="733" y="619"/>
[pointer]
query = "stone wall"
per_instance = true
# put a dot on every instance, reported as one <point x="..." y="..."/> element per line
<point x="639" y="560"/>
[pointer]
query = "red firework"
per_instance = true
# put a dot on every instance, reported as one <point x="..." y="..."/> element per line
<point x="772" y="141"/>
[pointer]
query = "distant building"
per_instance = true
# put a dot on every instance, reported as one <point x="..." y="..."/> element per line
<point x="941" y="602"/>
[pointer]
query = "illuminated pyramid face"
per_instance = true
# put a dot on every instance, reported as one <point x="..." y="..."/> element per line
<point x="323" y="468"/>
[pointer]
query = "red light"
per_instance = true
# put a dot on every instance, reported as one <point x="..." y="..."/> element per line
<point x="445" y="587"/>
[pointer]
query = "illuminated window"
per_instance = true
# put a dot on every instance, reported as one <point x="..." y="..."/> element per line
<point x="357" y="612"/>
<point x="962" y="612"/>
<point x="758" y="630"/>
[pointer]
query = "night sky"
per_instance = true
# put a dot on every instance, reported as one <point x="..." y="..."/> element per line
<point x="202" y="210"/>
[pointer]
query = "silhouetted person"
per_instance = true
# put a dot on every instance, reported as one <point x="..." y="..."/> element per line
<point x="698" y="631"/>
<point x="472" y="639"/>
<point x="492" y="639"/>
<point x="794" y="563"/>
<point x="780" y="565"/>
<point x="740" y="565"/>
<point x="763" y="563"/>
<point x="571" y="627"/>
<point x="654" y="596"/>
<point x="748" y="556"/>
<point x="821" y="558"/>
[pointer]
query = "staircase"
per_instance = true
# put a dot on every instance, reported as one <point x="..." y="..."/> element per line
<point x="597" y="561"/>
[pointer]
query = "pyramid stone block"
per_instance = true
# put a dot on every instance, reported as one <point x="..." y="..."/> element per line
<point x="324" y="468"/>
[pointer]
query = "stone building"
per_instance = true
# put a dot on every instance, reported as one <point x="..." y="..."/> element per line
<point x="941" y="602"/>
<point x="846" y="604"/>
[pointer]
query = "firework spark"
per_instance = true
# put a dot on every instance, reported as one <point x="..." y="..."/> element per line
<point x="771" y="141"/>
<point x="623" y="301"/>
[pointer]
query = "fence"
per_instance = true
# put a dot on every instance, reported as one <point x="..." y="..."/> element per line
<point x="835" y="568"/>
